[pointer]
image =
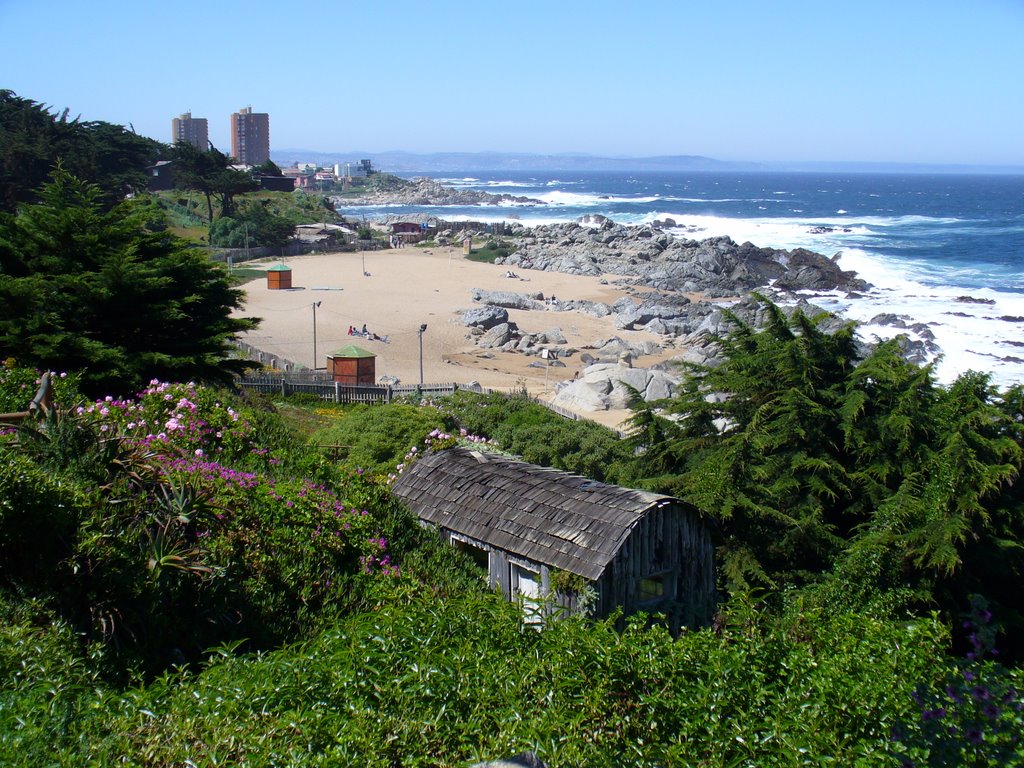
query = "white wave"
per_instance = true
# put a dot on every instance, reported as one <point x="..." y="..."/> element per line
<point x="840" y="212"/>
<point x="971" y="336"/>
<point x="582" y="200"/>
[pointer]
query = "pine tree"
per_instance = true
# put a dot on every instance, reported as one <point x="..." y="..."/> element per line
<point x="86" y="288"/>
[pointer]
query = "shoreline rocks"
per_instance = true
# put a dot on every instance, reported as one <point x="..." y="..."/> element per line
<point x="651" y="257"/>
<point x="426" y="191"/>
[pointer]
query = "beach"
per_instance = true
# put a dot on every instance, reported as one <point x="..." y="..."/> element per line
<point x="401" y="289"/>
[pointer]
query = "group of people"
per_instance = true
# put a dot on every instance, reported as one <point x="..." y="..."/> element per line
<point x="353" y="331"/>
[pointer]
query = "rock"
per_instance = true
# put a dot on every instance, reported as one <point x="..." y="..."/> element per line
<point x="425" y="191"/>
<point x="506" y="299"/>
<point x="553" y="336"/>
<point x="608" y="385"/>
<point x="496" y="336"/>
<point x="485" y="317"/>
<point x="578" y="396"/>
<point x="660" y="386"/>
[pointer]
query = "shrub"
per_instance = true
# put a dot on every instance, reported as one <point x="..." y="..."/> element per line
<point x="376" y="438"/>
<point x="39" y="517"/>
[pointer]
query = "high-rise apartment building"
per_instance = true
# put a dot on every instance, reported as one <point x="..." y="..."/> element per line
<point x="250" y="136"/>
<point x="186" y="129"/>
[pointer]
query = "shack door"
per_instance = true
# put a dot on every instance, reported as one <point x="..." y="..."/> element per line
<point x="526" y="589"/>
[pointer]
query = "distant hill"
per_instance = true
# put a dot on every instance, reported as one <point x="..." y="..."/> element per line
<point x="468" y="162"/>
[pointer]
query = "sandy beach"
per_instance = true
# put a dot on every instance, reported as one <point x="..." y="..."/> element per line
<point x="406" y="287"/>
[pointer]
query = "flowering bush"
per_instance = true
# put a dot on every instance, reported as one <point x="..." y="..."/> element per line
<point x="438" y="440"/>
<point x="179" y="419"/>
<point x="974" y="714"/>
<point x="187" y="539"/>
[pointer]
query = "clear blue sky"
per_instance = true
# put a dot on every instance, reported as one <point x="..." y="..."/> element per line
<point x="932" y="81"/>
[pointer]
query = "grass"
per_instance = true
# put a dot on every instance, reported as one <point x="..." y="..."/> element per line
<point x="242" y="275"/>
<point x="491" y="251"/>
<point x="188" y="216"/>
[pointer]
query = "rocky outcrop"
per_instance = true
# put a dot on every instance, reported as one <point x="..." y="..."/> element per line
<point x="715" y="267"/>
<point x="424" y="191"/>
<point x="611" y="386"/>
<point x="508" y="299"/>
<point x="485" y="317"/>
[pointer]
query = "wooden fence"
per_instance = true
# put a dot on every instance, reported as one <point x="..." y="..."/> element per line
<point x="321" y="385"/>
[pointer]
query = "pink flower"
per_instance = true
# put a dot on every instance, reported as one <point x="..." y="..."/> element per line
<point x="199" y="451"/>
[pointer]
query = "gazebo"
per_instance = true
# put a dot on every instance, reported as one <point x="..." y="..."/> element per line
<point x="279" y="277"/>
<point x="352" y="365"/>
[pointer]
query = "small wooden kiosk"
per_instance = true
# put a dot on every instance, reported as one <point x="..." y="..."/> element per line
<point x="279" y="277"/>
<point x="352" y="365"/>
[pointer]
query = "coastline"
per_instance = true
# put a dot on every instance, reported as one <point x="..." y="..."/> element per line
<point x="945" y="254"/>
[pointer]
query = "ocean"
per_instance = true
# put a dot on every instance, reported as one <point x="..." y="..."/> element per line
<point x="925" y="242"/>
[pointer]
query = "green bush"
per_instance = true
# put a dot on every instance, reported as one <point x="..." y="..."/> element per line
<point x="528" y="429"/>
<point x="39" y="516"/>
<point x="375" y="438"/>
<point x="427" y="682"/>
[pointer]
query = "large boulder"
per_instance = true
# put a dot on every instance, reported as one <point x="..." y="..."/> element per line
<point x="508" y="299"/>
<point x="607" y="386"/>
<point x="552" y="336"/>
<point x="497" y="336"/>
<point x="485" y="317"/>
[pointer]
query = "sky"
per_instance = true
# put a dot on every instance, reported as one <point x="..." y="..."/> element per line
<point x="907" y="81"/>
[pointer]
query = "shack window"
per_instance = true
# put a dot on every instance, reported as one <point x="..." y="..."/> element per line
<point x="655" y="588"/>
<point x="477" y="554"/>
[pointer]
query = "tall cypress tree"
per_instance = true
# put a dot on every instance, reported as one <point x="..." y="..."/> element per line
<point x="83" y="287"/>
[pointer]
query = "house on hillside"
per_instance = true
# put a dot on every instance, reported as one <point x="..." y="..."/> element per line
<point x="538" y="530"/>
<point x="276" y="183"/>
<point x="161" y="175"/>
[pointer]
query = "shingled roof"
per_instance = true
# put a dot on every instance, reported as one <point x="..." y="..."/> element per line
<point x="545" y="515"/>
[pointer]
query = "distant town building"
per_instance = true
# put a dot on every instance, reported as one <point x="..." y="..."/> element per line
<point x="186" y="129"/>
<point x="359" y="170"/>
<point x="302" y="178"/>
<point x="250" y="136"/>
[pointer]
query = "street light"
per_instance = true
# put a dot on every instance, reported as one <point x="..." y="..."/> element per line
<point x="315" y="305"/>
<point x="422" y="329"/>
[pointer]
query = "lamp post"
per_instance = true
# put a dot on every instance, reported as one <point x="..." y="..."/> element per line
<point x="315" y="305"/>
<point x="422" y="329"/>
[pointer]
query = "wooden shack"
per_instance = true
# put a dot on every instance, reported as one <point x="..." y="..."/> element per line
<point x="530" y="525"/>
<point x="279" y="277"/>
<point x="352" y="365"/>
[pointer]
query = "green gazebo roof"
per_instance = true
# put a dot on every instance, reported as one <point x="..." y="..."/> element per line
<point x="352" y="351"/>
<point x="279" y="268"/>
